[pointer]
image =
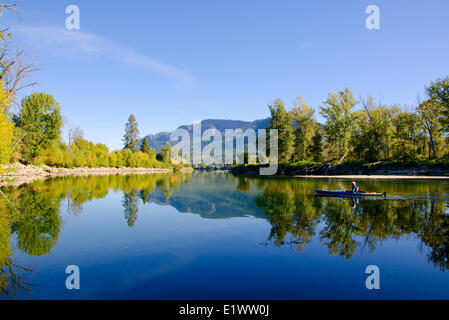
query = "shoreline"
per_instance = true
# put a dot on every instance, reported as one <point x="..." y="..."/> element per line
<point x="16" y="174"/>
<point x="378" y="170"/>
<point x="373" y="177"/>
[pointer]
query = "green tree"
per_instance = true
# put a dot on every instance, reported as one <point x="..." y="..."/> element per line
<point x="316" y="146"/>
<point x="40" y="120"/>
<point x="38" y="228"/>
<point x="131" y="136"/>
<point x="145" y="146"/>
<point x="407" y="141"/>
<point x="438" y="91"/>
<point x="282" y="121"/>
<point x="374" y="131"/>
<point x="165" y="153"/>
<point x="131" y="206"/>
<point x="303" y="116"/>
<point x="430" y="112"/>
<point x="337" y="111"/>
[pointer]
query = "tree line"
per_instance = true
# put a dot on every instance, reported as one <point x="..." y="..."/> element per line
<point x="364" y="130"/>
<point x="33" y="136"/>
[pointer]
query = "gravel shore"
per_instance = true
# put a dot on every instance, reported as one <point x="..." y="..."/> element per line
<point x="16" y="174"/>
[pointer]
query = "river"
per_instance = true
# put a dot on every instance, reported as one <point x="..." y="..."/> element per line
<point x="217" y="236"/>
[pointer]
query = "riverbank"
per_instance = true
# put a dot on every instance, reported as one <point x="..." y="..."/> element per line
<point x="379" y="177"/>
<point x="378" y="170"/>
<point x="16" y="174"/>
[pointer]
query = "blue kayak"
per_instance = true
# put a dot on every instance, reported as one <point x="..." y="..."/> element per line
<point x="350" y="194"/>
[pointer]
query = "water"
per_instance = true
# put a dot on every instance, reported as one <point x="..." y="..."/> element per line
<point x="216" y="236"/>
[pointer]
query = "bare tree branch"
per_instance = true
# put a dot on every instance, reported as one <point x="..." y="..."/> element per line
<point x="14" y="70"/>
<point x="12" y="8"/>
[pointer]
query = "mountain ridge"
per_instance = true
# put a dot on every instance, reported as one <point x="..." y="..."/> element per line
<point x="157" y="141"/>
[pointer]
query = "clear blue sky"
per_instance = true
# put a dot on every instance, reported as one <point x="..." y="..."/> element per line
<point x="173" y="62"/>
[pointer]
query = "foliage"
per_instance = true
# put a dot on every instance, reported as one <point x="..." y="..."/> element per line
<point x="282" y="121"/>
<point x="6" y="127"/>
<point x="145" y="148"/>
<point x="337" y="110"/>
<point x="87" y="154"/>
<point x="303" y="116"/>
<point x="40" y="120"/>
<point x="165" y="154"/>
<point x="430" y="112"/>
<point x="438" y="92"/>
<point x="408" y="140"/>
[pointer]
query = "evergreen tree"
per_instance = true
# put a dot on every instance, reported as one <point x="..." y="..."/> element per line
<point x="131" y="136"/>
<point x="145" y="146"/>
<point x="282" y="121"/>
<point x="131" y="207"/>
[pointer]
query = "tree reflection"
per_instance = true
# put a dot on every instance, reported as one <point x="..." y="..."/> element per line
<point x="131" y="205"/>
<point x="344" y="225"/>
<point x="289" y="213"/>
<point x="435" y="234"/>
<point x="32" y="213"/>
<point x="38" y="226"/>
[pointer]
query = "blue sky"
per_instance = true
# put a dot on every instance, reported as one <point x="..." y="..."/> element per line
<point x="174" y="62"/>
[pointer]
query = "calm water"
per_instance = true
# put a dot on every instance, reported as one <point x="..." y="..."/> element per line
<point x="215" y="236"/>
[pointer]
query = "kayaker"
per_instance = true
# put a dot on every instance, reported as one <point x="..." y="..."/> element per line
<point x="355" y="187"/>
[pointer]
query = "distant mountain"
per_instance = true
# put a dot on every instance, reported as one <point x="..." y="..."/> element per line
<point x="157" y="141"/>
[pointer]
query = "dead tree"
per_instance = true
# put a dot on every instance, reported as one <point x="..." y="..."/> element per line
<point x="14" y="70"/>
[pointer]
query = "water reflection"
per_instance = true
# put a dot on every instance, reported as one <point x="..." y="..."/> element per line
<point x="296" y="216"/>
<point x="349" y="224"/>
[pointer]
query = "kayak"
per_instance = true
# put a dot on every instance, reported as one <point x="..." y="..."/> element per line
<point x="350" y="194"/>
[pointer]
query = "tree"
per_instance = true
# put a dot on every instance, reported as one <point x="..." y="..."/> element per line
<point x="13" y="68"/>
<point x="145" y="146"/>
<point x="316" y="146"/>
<point x="430" y="112"/>
<point x="282" y="121"/>
<point x="6" y="127"/>
<point x="131" y="136"/>
<point x="407" y="141"/>
<point x="74" y="133"/>
<point x="40" y="119"/>
<point x="165" y="153"/>
<point x="303" y="115"/>
<point x="373" y="134"/>
<point x="337" y="111"/>
<point x="438" y="91"/>
<point x="131" y="207"/>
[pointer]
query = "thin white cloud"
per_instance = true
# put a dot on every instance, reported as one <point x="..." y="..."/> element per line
<point x="60" y="41"/>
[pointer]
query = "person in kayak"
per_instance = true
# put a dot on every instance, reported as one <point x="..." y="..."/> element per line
<point x="355" y="187"/>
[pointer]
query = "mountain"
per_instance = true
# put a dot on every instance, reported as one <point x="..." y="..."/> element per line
<point x="157" y="141"/>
